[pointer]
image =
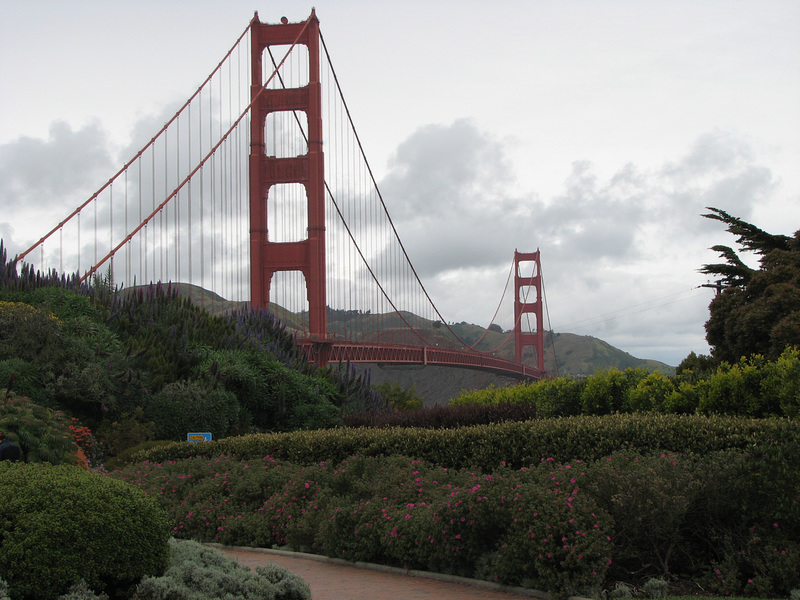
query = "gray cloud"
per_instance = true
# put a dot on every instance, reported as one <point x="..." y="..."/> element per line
<point x="44" y="172"/>
<point x="450" y="193"/>
<point x="608" y="243"/>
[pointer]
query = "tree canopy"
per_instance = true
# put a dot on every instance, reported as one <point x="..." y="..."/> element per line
<point x="758" y="309"/>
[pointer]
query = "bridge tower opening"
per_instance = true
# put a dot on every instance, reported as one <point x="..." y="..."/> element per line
<point x="528" y="301"/>
<point x="268" y="172"/>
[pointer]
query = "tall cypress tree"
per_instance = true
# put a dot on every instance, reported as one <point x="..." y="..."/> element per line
<point x="757" y="310"/>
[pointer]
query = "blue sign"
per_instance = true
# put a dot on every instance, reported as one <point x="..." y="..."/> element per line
<point x="198" y="437"/>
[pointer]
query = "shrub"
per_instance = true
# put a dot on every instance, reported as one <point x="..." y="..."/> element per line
<point x="187" y="406"/>
<point x="519" y="444"/>
<point x="43" y="434"/>
<point x="560" y="397"/>
<point x="197" y="572"/>
<point x="398" y="398"/>
<point x="648" y="497"/>
<point x="129" y="430"/>
<point x="656" y="588"/>
<point x="61" y="524"/>
<point x="28" y="332"/>
<point x="755" y="565"/>
<point x="607" y="392"/>
<point x="81" y="591"/>
<point x="440" y="417"/>
<point x="737" y="390"/>
<point x="782" y="381"/>
<point x="126" y="456"/>
<point x="650" y="393"/>
<point x="557" y="537"/>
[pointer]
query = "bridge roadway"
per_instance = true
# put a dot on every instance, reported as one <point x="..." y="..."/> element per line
<point x="333" y="350"/>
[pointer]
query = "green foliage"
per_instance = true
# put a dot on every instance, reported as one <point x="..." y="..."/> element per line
<point x="273" y="395"/>
<point x="197" y="572"/>
<point x="649" y="498"/>
<point x="398" y="398"/>
<point x="551" y="397"/>
<point x="392" y="510"/>
<point x="694" y="367"/>
<point x="43" y="434"/>
<point x="756" y="566"/>
<point x="28" y="332"/>
<point x="607" y="392"/>
<point x="438" y="417"/>
<point x="518" y="444"/>
<point x="782" y="381"/>
<point x="61" y="524"/>
<point x="656" y="587"/>
<point x="758" y="310"/>
<point x="558" y="538"/>
<point x="68" y="361"/>
<point x="559" y="397"/>
<point x="752" y="387"/>
<point x="125" y="456"/>
<point x="187" y="406"/>
<point x="65" y="304"/>
<point x="454" y="506"/>
<point x="19" y="376"/>
<point x="81" y="591"/>
<point x="736" y="389"/>
<point x="125" y="432"/>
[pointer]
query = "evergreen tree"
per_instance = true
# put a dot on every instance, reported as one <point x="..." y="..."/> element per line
<point x="758" y="309"/>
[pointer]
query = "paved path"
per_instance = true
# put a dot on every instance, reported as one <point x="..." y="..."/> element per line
<point x="333" y="579"/>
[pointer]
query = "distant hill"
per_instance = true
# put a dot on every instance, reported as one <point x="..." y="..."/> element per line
<point x="574" y="355"/>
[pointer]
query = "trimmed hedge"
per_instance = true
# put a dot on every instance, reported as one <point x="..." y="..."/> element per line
<point x="62" y="524"/>
<point x="517" y="444"/>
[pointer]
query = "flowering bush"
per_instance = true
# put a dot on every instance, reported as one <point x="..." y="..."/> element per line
<point x="758" y="565"/>
<point x="558" y="537"/>
<point x="563" y="526"/>
<point x="86" y="443"/>
<point x="393" y="510"/>
<point x="648" y="498"/>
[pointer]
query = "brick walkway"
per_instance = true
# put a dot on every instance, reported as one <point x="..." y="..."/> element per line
<point x="332" y="579"/>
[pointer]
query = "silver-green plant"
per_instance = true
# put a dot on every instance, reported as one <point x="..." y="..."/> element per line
<point x="621" y="590"/>
<point x="656" y="588"/>
<point x="81" y="591"/>
<point x="198" y="572"/>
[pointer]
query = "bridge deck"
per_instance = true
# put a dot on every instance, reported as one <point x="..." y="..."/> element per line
<point x="331" y="350"/>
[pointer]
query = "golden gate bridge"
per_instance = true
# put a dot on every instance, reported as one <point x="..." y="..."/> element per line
<point x="259" y="190"/>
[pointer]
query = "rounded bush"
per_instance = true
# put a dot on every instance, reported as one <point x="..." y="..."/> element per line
<point x="60" y="524"/>
<point x="186" y="406"/>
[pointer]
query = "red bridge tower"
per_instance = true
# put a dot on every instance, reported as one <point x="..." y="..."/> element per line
<point x="308" y="255"/>
<point x="528" y="300"/>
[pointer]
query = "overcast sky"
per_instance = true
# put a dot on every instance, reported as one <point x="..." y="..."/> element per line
<point x="596" y="131"/>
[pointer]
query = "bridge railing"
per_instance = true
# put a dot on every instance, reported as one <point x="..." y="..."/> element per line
<point x="360" y="352"/>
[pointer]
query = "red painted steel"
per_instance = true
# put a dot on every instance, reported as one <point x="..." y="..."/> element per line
<point x="527" y="306"/>
<point x="364" y="352"/>
<point x="307" y="256"/>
